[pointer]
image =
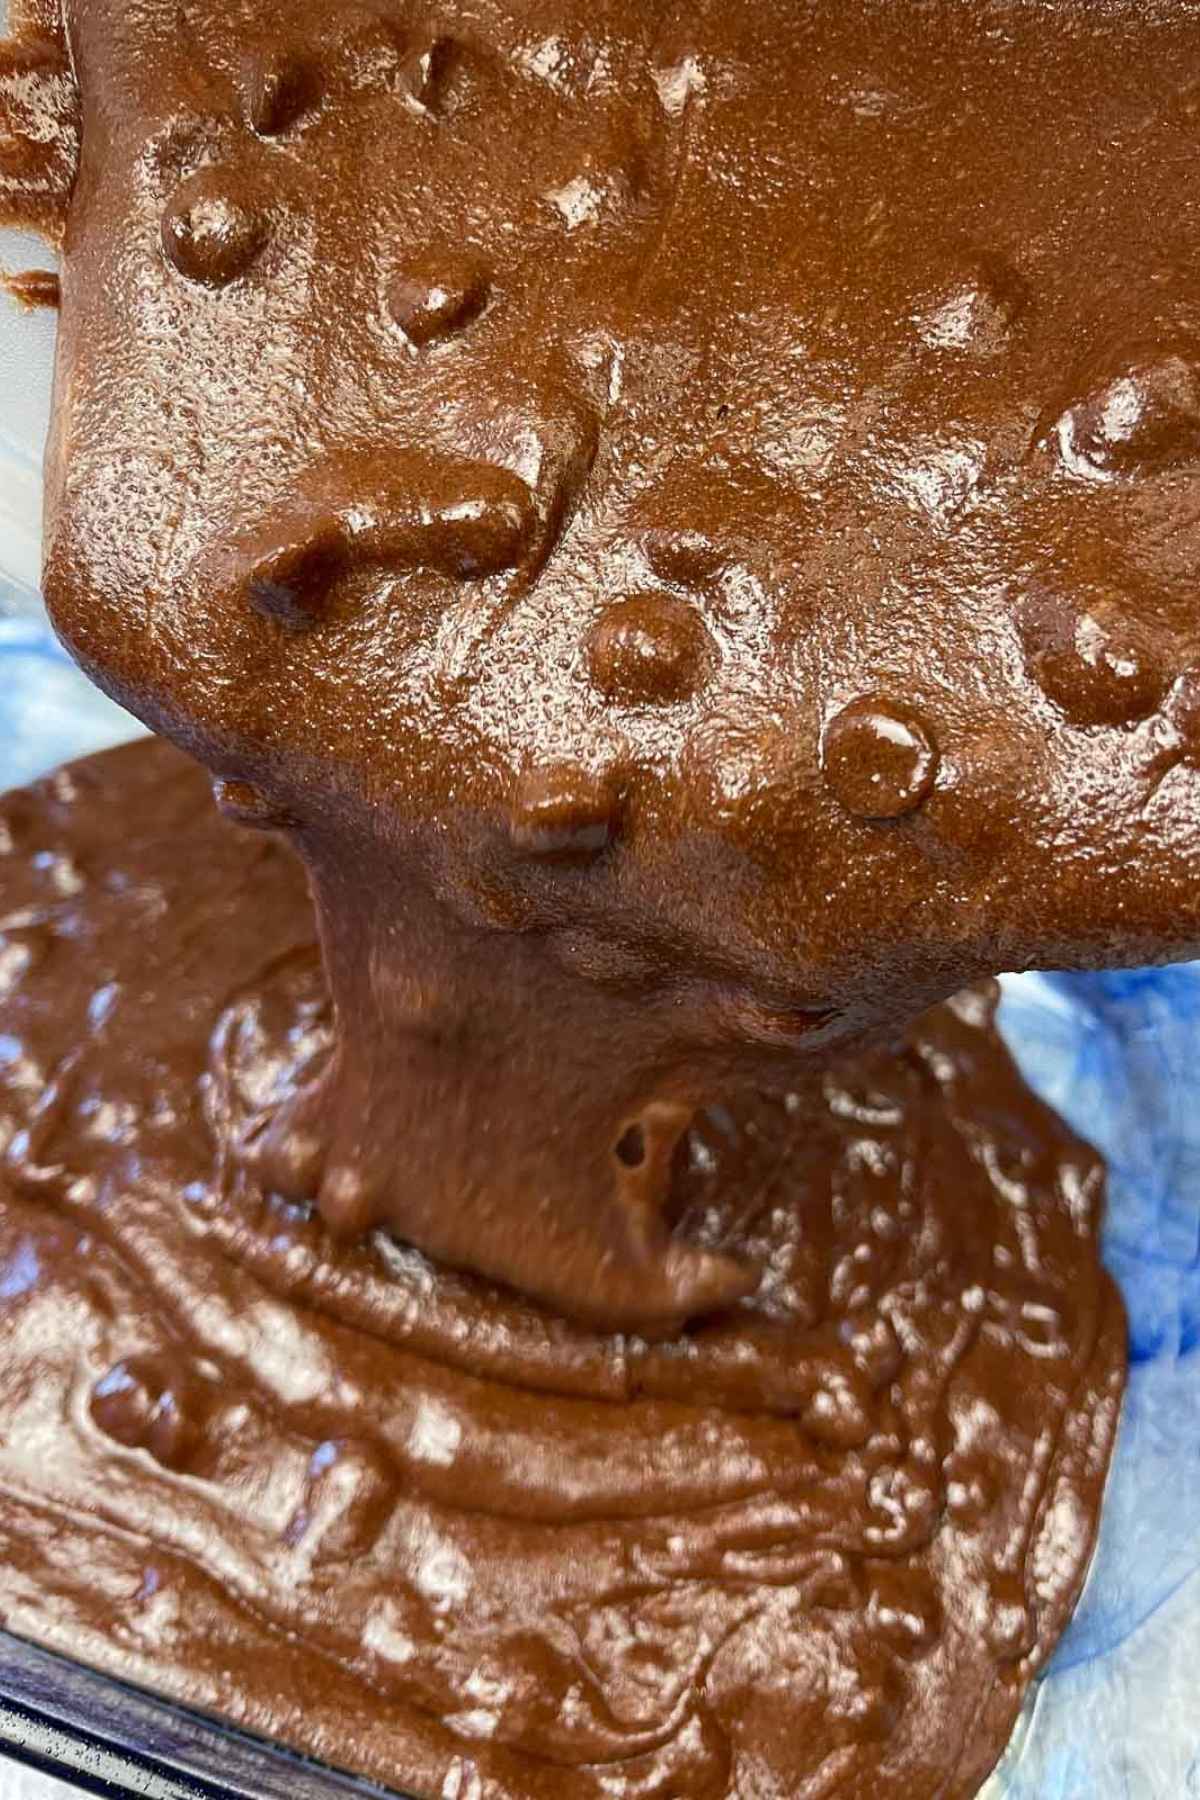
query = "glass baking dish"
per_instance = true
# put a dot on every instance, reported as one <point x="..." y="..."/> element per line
<point x="102" y="1737"/>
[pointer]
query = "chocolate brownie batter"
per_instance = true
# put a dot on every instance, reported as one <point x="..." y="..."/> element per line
<point x="685" y="516"/>
<point x="423" y="1528"/>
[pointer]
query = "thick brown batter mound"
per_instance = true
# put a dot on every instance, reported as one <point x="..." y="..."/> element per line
<point x="687" y="514"/>
<point x="424" y="1529"/>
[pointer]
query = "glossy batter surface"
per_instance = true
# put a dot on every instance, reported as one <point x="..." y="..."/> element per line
<point x="688" y="515"/>
<point x="421" y="1527"/>
<point x="687" y="518"/>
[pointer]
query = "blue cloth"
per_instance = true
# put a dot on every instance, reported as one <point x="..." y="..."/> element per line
<point x="1119" y="1712"/>
<point x="1118" y="1715"/>
<point x="48" y="712"/>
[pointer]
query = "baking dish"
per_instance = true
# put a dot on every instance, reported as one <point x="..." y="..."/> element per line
<point x="113" y="1740"/>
